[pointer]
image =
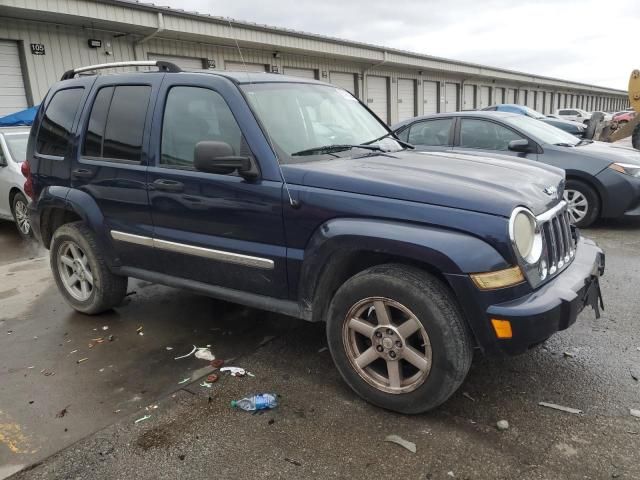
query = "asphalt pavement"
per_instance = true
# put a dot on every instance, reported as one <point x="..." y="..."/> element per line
<point x="321" y="428"/>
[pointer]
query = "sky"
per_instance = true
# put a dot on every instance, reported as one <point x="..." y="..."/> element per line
<point x="588" y="41"/>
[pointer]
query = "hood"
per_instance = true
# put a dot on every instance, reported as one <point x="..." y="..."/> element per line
<point x="608" y="152"/>
<point x="558" y="121"/>
<point x="493" y="185"/>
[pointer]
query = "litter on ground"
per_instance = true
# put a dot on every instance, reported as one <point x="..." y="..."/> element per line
<point x="502" y="425"/>
<point x="203" y="353"/>
<point x="575" y="411"/>
<point x="634" y="413"/>
<point x="236" y="371"/>
<point x="142" y="419"/>
<point x="402" y="442"/>
<point x="82" y="360"/>
<point x="105" y="327"/>
<point x="185" y="380"/>
<point x="217" y="363"/>
<point x="468" y="396"/>
<point x="188" y="354"/>
<point x="323" y="349"/>
<point x="213" y="378"/>
<point x="206" y="385"/>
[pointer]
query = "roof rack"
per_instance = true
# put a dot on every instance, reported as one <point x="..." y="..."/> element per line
<point x="161" y="64"/>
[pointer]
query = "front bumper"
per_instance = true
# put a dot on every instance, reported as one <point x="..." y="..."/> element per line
<point x="537" y="315"/>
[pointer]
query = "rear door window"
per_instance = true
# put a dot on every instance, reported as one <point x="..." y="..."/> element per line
<point x="431" y="132"/>
<point x="116" y="123"/>
<point x="55" y="128"/>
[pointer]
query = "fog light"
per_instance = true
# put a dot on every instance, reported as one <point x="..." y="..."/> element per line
<point x="502" y="328"/>
<point x="500" y="279"/>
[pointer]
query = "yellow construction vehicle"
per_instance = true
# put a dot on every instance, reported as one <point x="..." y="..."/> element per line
<point x="613" y="131"/>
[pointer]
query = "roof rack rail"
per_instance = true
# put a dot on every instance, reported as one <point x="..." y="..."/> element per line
<point x="161" y="64"/>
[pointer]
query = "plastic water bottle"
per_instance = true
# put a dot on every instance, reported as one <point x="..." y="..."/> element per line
<point x="261" y="401"/>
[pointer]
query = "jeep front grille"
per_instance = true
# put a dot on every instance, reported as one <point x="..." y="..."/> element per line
<point x="558" y="241"/>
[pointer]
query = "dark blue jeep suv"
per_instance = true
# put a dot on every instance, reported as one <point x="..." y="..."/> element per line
<point x="289" y="195"/>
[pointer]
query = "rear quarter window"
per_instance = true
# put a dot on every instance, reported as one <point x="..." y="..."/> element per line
<point x="55" y="128"/>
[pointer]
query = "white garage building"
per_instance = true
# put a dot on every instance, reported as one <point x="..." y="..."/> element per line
<point x="40" y="39"/>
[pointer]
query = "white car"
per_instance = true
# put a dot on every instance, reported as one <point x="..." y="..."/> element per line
<point x="13" y="200"/>
<point x="575" y="114"/>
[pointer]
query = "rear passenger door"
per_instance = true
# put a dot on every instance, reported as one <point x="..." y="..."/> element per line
<point x="431" y="135"/>
<point x="111" y="164"/>
<point x="213" y="228"/>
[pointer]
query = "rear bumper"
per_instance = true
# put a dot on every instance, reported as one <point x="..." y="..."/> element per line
<point x="537" y="315"/>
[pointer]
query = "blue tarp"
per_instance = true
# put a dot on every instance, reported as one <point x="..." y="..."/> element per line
<point x="24" y="117"/>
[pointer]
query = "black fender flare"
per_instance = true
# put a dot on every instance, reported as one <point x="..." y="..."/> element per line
<point x="445" y="251"/>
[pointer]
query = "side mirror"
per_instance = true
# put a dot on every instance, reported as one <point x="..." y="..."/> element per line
<point x="521" y="145"/>
<point x="218" y="157"/>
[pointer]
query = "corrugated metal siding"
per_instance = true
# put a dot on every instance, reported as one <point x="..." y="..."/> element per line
<point x="431" y="102"/>
<point x="452" y="93"/>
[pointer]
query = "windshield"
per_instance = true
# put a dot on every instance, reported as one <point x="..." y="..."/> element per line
<point x="17" y="143"/>
<point x="303" y="116"/>
<point x="543" y="132"/>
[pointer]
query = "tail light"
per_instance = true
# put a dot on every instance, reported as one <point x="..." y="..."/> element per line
<point x="25" y="168"/>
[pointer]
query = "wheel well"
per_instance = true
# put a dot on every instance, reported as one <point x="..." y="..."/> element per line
<point x="589" y="184"/>
<point x="52" y="219"/>
<point x="12" y="193"/>
<point x="346" y="265"/>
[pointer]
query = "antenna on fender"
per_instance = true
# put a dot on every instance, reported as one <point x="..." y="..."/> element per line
<point x="292" y="202"/>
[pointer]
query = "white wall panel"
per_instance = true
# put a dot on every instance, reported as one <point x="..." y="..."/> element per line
<point x="468" y="97"/>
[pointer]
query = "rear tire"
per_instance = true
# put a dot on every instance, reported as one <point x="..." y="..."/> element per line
<point x="583" y="203"/>
<point x="415" y="361"/>
<point x="20" y="211"/>
<point x="81" y="272"/>
<point x="635" y="137"/>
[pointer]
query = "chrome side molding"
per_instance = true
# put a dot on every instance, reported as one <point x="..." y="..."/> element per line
<point x="219" y="255"/>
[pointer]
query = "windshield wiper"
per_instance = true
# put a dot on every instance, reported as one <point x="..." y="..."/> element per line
<point x="564" y="144"/>
<point x="584" y="142"/>
<point x="333" y="148"/>
<point x="401" y="142"/>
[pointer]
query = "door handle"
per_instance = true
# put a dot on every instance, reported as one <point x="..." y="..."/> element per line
<point x="83" y="173"/>
<point x="165" y="185"/>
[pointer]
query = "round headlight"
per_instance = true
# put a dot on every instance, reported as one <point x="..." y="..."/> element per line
<point x="523" y="234"/>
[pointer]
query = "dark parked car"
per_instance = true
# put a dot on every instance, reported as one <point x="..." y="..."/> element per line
<point x="603" y="179"/>
<point x="574" y="128"/>
<point x="289" y="195"/>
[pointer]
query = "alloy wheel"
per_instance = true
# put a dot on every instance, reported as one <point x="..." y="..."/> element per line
<point x="22" y="217"/>
<point x="577" y="205"/>
<point x="387" y="345"/>
<point x="75" y="271"/>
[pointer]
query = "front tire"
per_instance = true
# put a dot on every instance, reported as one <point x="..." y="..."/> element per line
<point x="81" y="272"/>
<point x="583" y="203"/>
<point x="398" y="338"/>
<point x="19" y="208"/>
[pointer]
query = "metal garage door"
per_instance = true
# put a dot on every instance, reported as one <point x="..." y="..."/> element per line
<point x="498" y="96"/>
<point x="378" y="96"/>
<point x="484" y="97"/>
<point x="344" y="80"/>
<point x="244" y="67"/>
<point x="300" y="72"/>
<point x="13" y="97"/>
<point x="511" y="96"/>
<point x="406" y="99"/>
<point x="468" y="97"/>
<point x="430" y="94"/>
<point x="531" y="99"/>
<point x="451" y="97"/>
<point x="185" y="63"/>
<point x="539" y="102"/>
<point x="547" y="102"/>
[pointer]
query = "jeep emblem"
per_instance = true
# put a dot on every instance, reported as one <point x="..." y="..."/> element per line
<point x="551" y="191"/>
